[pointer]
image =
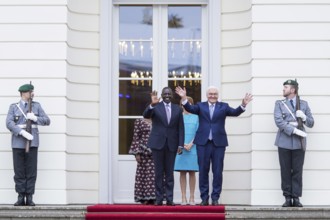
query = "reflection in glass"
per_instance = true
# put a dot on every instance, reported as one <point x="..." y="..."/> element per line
<point x="135" y="40"/>
<point x="193" y="88"/>
<point x="134" y="22"/>
<point x="135" y="57"/>
<point x="126" y="129"/>
<point x="184" y="42"/>
<point x="184" y="22"/>
<point x="134" y="96"/>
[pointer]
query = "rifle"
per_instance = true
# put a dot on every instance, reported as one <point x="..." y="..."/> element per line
<point x="29" y="123"/>
<point x="300" y="123"/>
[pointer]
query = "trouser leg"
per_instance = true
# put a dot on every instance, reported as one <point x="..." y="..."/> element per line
<point x="218" y="155"/>
<point x="298" y="157"/>
<point x="159" y="157"/>
<point x="169" y="174"/>
<point x="204" y="158"/>
<point x="285" y="159"/>
<point x="31" y="170"/>
<point x="19" y="170"/>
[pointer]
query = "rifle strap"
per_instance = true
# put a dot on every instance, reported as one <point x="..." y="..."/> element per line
<point x="21" y="110"/>
<point x="289" y="110"/>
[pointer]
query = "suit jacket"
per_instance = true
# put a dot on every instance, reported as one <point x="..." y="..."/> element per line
<point x="285" y="137"/>
<point x="16" y="121"/>
<point x="217" y="123"/>
<point x="161" y="130"/>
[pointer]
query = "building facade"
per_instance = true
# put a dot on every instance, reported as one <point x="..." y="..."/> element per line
<point x="94" y="62"/>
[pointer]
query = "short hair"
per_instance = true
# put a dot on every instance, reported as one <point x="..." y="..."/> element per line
<point x="211" y="87"/>
<point x="167" y="88"/>
<point x="190" y="100"/>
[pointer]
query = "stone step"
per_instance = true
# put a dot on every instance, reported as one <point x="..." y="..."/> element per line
<point x="71" y="212"/>
<point x="275" y="213"/>
<point x="77" y="212"/>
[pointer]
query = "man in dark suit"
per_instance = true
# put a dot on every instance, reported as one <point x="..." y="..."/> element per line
<point x="166" y="136"/>
<point x="211" y="138"/>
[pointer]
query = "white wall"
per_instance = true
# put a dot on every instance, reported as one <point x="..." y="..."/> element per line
<point x="33" y="48"/>
<point x="236" y="81"/>
<point x="55" y="44"/>
<point x="83" y="102"/>
<point x="290" y="40"/>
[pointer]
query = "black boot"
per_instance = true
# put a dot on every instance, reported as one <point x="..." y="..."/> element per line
<point x="288" y="202"/>
<point x="296" y="202"/>
<point x="20" y="200"/>
<point x="29" y="201"/>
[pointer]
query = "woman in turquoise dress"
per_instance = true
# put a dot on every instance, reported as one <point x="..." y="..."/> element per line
<point x="186" y="160"/>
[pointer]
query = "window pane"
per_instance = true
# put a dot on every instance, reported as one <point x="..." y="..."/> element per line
<point x="135" y="40"/>
<point x="135" y="22"/>
<point x="126" y="128"/>
<point x="184" y="42"/>
<point x="193" y="88"/>
<point x="184" y="22"/>
<point x="134" y="96"/>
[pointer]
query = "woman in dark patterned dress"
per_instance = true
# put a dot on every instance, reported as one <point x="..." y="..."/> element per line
<point x="144" y="191"/>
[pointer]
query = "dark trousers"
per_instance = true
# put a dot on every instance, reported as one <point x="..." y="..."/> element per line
<point x="164" y="165"/>
<point x="291" y="163"/>
<point x="210" y="154"/>
<point x="25" y="169"/>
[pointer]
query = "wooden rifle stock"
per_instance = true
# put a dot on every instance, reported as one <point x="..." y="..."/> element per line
<point x="300" y="123"/>
<point x="29" y="124"/>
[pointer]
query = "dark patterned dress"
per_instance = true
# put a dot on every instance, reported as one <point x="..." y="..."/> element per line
<point x="144" y="190"/>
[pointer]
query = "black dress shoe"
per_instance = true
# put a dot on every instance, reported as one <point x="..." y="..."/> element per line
<point x="215" y="202"/>
<point x="158" y="203"/>
<point x="170" y="203"/>
<point x="296" y="203"/>
<point x="287" y="203"/>
<point x="204" y="203"/>
<point x="29" y="201"/>
<point x="20" y="200"/>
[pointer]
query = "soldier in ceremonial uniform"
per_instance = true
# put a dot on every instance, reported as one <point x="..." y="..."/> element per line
<point x="291" y="141"/>
<point x="25" y="163"/>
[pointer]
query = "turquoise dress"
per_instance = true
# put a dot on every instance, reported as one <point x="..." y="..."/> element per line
<point x="187" y="161"/>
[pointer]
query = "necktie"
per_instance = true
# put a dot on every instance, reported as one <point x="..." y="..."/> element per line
<point x="168" y="112"/>
<point x="291" y="102"/>
<point x="211" y="115"/>
<point x="211" y="110"/>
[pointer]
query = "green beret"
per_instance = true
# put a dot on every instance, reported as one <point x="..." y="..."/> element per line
<point x="26" y="88"/>
<point x="291" y="82"/>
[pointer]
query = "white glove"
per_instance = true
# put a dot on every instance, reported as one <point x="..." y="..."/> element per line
<point x="31" y="116"/>
<point x="301" y="115"/>
<point x="294" y="123"/>
<point x="26" y="134"/>
<point x="299" y="132"/>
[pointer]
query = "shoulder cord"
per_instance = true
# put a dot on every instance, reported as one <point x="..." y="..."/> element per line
<point x="21" y="110"/>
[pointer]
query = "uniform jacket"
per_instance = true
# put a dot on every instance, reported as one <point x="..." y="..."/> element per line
<point x="217" y="123"/>
<point x="285" y="137"/>
<point x="16" y="120"/>
<point x="161" y="131"/>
